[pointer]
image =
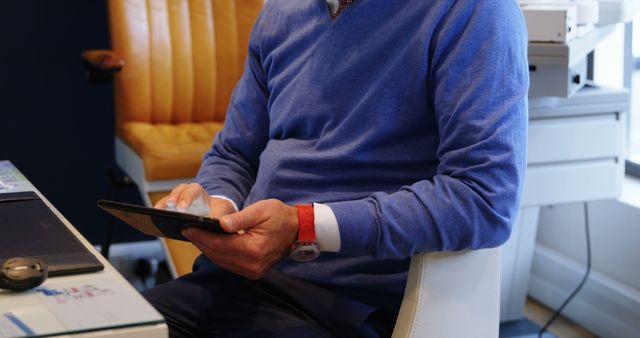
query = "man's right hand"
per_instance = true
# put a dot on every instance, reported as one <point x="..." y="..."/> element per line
<point x="184" y="194"/>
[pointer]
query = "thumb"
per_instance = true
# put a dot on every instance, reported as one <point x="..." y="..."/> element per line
<point x="240" y="220"/>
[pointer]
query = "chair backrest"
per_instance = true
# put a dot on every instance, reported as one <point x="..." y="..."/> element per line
<point x="451" y="294"/>
<point x="182" y="57"/>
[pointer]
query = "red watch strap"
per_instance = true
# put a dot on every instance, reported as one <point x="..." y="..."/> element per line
<point x="306" y="223"/>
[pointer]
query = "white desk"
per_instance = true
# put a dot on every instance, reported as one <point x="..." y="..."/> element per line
<point x="575" y="154"/>
<point x="99" y="304"/>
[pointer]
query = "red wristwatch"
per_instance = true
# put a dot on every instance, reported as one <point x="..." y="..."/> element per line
<point x="305" y="248"/>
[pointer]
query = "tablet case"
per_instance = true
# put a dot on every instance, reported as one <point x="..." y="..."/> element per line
<point x="28" y="228"/>
<point x="159" y="222"/>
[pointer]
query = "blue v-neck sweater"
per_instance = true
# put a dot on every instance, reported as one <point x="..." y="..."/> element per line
<point x="406" y="117"/>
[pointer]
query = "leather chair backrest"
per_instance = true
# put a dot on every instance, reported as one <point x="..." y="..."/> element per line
<point x="182" y="57"/>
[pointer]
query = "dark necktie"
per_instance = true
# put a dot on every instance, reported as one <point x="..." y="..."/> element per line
<point x="342" y="5"/>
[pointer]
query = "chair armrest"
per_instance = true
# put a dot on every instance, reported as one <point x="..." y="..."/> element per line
<point x="452" y="295"/>
<point x="101" y="65"/>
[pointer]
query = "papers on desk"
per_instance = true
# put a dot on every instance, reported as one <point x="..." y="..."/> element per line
<point x="11" y="180"/>
<point x="71" y="306"/>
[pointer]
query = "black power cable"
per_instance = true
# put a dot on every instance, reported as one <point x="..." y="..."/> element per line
<point x="116" y="182"/>
<point x="584" y="278"/>
<point x="143" y="270"/>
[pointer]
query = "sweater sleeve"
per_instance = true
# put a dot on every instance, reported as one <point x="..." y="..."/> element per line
<point x="230" y="167"/>
<point x="478" y="82"/>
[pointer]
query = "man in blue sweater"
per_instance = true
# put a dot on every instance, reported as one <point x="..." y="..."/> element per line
<point x="403" y="122"/>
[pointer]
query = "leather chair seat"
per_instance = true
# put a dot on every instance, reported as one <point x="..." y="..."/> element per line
<point x="170" y="151"/>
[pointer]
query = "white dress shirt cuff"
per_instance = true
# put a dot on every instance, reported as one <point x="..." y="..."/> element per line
<point x="227" y="199"/>
<point x="327" y="231"/>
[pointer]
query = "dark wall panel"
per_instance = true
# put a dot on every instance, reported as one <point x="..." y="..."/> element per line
<point x="54" y="126"/>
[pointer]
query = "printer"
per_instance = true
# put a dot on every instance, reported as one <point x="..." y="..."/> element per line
<point x="562" y="33"/>
<point x="564" y="20"/>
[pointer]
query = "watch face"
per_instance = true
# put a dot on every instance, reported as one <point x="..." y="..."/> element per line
<point x="304" y="252"/>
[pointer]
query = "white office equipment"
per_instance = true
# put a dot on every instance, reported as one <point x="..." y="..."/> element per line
<point x="587" y="10"/>
<point x="545" y="20"/>
<point x="551" y="23"/>
<point x="576" y="140"/>
<point x="560" y="69"/>
<point x="575" y="154"/>
<point x="592" y="12"/>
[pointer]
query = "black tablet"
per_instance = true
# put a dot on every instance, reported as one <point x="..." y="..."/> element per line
<point x="158" y="222"/>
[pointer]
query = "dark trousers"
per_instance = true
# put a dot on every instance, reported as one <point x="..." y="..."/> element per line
<point x="212" y="302"/>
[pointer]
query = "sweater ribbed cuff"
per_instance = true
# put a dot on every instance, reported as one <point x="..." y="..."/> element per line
<point x="359" y="228"/>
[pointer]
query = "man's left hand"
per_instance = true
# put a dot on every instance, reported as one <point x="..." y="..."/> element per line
<point x="269" y="228"/>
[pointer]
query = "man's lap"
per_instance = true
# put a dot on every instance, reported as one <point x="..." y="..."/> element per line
<point x="213" y="302"/>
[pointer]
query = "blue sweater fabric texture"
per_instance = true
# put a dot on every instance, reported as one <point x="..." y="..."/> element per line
<point x="407" y="118"/>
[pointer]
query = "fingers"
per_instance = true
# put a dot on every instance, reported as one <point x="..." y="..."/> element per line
<point x="190" y="193"/>
<point x="170" y="200"/>
<point x="212" y="242"/>
<point x="233" y="253"/>
<point x="162" y="203"/>
<point x="182" y="196"/>
<point x="270" y="227"/>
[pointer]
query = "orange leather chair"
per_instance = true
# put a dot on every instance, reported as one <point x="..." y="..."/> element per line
<point x="177" y="63"/>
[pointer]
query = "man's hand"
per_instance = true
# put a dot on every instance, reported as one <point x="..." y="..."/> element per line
<point x="184" y="194"/>
<point x="270" y="228"/>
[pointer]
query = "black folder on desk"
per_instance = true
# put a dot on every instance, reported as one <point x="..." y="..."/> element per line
<point x="28" y="228"/>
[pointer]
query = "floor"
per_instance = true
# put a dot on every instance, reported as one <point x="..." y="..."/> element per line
<point x="562" y="327"/>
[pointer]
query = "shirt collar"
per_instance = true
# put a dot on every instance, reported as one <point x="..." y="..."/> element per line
<point x="333" y="5"/>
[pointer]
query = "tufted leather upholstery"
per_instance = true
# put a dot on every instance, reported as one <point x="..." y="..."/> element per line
<point x="170" y="150"/>
<point x="182" y="61"/>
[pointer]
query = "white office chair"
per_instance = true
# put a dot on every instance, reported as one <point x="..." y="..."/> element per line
<point x="452" y="295"/>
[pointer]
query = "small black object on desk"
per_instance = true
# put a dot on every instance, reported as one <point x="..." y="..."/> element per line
<point x="21" y="274"/>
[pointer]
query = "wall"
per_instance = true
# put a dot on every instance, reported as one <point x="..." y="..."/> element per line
<point x="611" y="48"/>
<point x="54" y="126"/>
<point x="609" y="304"/>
